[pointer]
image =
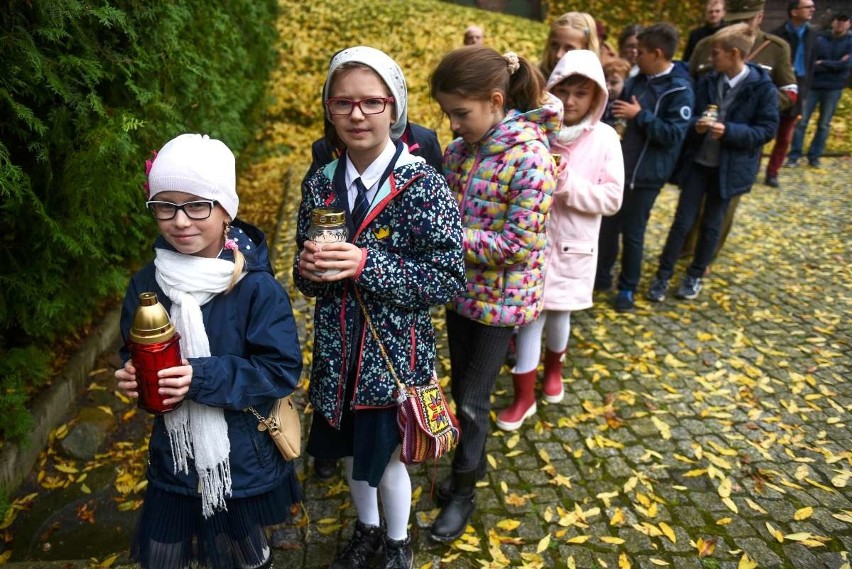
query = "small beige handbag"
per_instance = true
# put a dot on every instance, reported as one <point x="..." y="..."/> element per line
<point x="284" y="427"/>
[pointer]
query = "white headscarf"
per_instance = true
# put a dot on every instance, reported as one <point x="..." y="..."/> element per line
<point x="386" y="68"/>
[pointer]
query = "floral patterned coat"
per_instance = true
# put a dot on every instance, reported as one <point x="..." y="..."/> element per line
<point x="503" y="185"/>
<point x="413" y="240"/>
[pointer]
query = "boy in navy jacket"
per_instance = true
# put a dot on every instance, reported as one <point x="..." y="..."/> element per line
<point x="722" y="154"/>
<point x="657" y="104"/>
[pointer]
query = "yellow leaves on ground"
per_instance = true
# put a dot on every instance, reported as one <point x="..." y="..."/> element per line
<point x="18" y="505"/>
<point x="803" y="513"/>
<point x="668" y="532"/>
<point x="705" y="547"/>
<point x="664" y="428"/>
<point x="105" y="564"/>
<point x="746" y="562"/>
<point x="716" y="373"/>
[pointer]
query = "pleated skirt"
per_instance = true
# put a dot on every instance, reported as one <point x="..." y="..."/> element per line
<point x="173" y="534"/>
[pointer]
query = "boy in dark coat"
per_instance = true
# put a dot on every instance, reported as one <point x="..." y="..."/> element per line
<point x="657" y="104"/>
<point x="722" y="154"/>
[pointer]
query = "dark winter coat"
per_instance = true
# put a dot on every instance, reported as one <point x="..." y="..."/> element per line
<point x="653" y="139"/>
<point x="255" y="360"/>
<point x="831" y="73"/>
<point x="785" y="32"/>
<point x="413" y="240"/>
<point x="751" y="122"/>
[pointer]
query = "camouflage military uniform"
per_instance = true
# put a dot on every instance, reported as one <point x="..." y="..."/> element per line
<point x="773" y="54"/>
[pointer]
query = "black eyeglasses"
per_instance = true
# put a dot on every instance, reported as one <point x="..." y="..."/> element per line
<point x="368" y="106"/>
<point x="197" y="210"/>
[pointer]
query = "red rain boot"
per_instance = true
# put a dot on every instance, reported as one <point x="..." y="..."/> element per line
<point x="512" y="417"/>
<point x="552" y="385"/>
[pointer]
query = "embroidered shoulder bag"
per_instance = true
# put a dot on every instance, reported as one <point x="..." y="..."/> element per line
<point x="427" y="425"/>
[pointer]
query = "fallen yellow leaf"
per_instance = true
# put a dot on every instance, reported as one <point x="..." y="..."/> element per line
<point x="746" y="562"/>
<point x="508" y="525"/>
<point x="668" y="531"/>
<point x="803" y="513"/>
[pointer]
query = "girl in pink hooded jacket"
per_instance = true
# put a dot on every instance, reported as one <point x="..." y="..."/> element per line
<point x="589" y="185"/>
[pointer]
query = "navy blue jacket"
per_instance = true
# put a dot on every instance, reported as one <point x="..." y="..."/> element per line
<point x="831" y="73"/>
<point x="751" y="122"/>
<point x="785" y="32"/>
<point x="256" y="360"/>
<point x="653" y="139"/>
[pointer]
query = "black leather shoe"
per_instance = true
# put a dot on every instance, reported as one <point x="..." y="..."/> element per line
<point x="398" y="553"/>
<point x="772" y="181"/>
<point x="325" y="468"/>
<point x="363" y="549"/>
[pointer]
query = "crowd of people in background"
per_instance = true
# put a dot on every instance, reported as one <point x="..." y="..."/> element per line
<point x="548" y="185"/>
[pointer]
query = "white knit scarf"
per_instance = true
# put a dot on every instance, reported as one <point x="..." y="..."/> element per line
<point x="568" y="134"/>
<point x="195" y="430"/>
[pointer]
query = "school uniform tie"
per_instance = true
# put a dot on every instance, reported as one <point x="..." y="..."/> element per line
<point x="359" y="210"/>
<point x="725" y="88"/>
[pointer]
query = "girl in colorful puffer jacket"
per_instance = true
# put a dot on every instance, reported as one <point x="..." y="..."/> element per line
<point x="502" y="173"/>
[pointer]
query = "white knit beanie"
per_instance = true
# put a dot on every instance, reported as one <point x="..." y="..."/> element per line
<point x="386" y="68"/>
<point x="199" y="165"/>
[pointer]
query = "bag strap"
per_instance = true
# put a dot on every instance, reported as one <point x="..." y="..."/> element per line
<point x="261" y="418"/>
<point x="753" y="54"/>
<point x="258" y="416"/>
<point x="399" y="385"/>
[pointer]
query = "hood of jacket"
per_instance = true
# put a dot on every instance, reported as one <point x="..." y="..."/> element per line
<point x="256" y="253"/>
<point x="519" y="127"/>
<point x="586" y="63"/>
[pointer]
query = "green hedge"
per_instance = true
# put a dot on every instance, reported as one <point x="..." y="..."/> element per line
<point x="88" y="88"/>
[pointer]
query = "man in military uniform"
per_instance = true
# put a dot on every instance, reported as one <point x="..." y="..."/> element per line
<point x="770" y="52"/>
<point x="801" y="38"/>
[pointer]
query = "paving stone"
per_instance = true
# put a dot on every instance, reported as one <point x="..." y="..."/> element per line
<point x="754" y="325"/>
<point x="758" y="551"/>
<point x="687" y="563"/>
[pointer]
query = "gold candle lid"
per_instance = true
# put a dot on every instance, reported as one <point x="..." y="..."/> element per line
<point x="328" y="217"/>
<point x="151" y="324"/>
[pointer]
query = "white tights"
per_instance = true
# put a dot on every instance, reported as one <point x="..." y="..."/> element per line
<point x="557" y="325"/>
<point x="395" y="487"/>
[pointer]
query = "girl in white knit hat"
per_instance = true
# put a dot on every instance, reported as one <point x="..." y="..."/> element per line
<point x="404" y="255"/>
<point x="214" y="480"/>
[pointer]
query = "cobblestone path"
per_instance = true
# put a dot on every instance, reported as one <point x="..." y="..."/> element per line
<point x="695" y="434"/>
<point x="706" y="434"/>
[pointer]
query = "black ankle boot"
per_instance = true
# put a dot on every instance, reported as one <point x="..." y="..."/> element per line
<point x="398" y="553"/>
<point x="444" y="490"/>
<point x="452" y="520"/>
<point x="364" y="547"/>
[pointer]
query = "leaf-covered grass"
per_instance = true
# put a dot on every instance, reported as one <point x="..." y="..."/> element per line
<point x="417" y="34"/>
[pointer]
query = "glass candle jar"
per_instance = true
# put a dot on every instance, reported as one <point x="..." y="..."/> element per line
<point x="328" y="225"/>
<point x="153" y="346"/>
<point x="710" y="114"/>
